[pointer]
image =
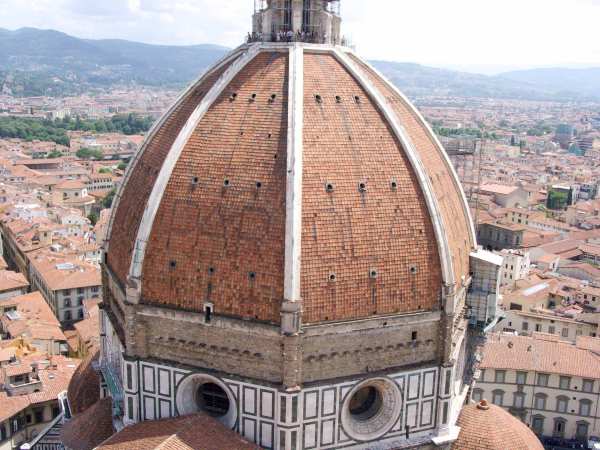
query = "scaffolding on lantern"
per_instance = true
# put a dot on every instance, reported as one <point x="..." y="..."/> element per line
<point x="281" y="11"/>
<point x="466" y="154"/>
<point x="282" y="25"/>
<point x="333" y="7"/>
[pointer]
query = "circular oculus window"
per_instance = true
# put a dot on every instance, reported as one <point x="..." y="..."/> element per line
<point x="371" y="409"/>
<point x="204" y="393"/>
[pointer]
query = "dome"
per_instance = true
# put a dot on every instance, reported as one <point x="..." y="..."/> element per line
<point x="288" y="172"/>
<point x="489" y="427"/>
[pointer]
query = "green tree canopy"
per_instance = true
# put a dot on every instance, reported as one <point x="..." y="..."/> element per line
<point x="89" y="153"/>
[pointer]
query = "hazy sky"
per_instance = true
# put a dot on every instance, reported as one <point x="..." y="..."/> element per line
<point x="485" y="35"/>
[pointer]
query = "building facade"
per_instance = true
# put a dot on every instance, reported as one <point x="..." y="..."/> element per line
<point x="552" y="386"/>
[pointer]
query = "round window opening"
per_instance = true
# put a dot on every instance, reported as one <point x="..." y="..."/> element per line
<point x="212" y="400"/>
<point x="371" y="409"/>
<point x="365" y="404"/>
<point x="207" y="394"/>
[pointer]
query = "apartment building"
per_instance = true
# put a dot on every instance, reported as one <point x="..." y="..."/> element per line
<point x="551" y="385"/>
<point x="65" y="282"/>
<point x="29" y="391"/>
<point x="568" y="327"/>
<point x="515" y="266"/>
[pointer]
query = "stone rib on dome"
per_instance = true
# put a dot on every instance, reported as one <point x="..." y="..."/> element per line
<point x="454" y="209"/>
<point x="382" y="218"/>
<point x="133" y="194"/>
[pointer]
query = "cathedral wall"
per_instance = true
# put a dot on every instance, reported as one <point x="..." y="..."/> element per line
<point x="310" y="418"/>
<point x="355" y="348"/>
<point x="224" y="345"/>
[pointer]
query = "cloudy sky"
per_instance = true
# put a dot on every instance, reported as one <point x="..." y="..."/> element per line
<point x="477" y="35"/>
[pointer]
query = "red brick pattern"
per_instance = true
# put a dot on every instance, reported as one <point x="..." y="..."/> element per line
<point x="89" y="428"/>
<point x="137" y="191"/>
<point x="196" y="431"/>
<point x="347" y="232"/>
<point x="492" y="428"/>
<point x="456" y="222"/>
<point x="226" y="244"/>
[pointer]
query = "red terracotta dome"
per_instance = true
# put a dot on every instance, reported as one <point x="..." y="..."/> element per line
<point x="287" y="172"/>
<point x="489" y="427"/>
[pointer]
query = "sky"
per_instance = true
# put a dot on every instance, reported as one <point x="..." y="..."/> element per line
<point x="486" y="36"/>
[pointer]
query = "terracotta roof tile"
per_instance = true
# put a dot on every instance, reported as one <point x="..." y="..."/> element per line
<point x="489" y="427"/>
<point x="88" y="429"/>
<point x="195" y="432"/>
<point x="540" y="355"/>
<point x="84" y="386"/>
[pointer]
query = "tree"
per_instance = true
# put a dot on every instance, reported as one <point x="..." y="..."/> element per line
<point x="108" y="200"/>
<point x="54" y="154"/>
<point x="105" y="170"/>
<point x="122" y="166"/>
<point x="93" y="217"/>
<point x="89" y="153"/>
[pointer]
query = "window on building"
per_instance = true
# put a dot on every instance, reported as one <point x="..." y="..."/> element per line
<point x="581" y="433"/>
<point x="538" y="327"/>
<point x="477" y="395"/>
<point x="500" y="376"/>
<point x="68" y="315"/>
<point x="95" y="288"/>
<point x="521" y="378"/>
<point x="540" y="401"/>
<point x="588" y="386"/>
<point x="565" y="382"/>
<point x="537" y="424"/>
<point x="39" y="415"/>
<point x="552" y="329"/>
<point x="542" y="379"/>
<point x="67" y="302"/>
<point x="525" y="326"/>
<point x="519" y="400"/>
<point x="560" y="425"/>
<point x="80" y="314"/>
<point x="129" y="377"/>
<point x="3" y="433"/>
<point x="130" y="408"/>
<point x="562" y="404"/>
<point x="565" y="332"/>
<point x="585" y="408"/>
<point x="498" y="397"/>
<point x="80" y="291"/>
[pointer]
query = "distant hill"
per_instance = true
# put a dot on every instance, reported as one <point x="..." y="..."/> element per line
<point x="38" y="62"/>
<point x="585" y="81"/>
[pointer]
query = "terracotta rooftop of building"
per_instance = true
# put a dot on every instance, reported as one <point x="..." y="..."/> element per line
<point x="88" y="429"/>
<point x="70" y="184"/>
<point x="195" y="432"/>
<point x="84" y="387"/>
<point x="10" y="281"/>
<point x="33" y="319"/>
<point x="54" y="374"/>
<point x="539" y="354"/>
<point x="489" y="427"/>
<point x="498" y="189"/>
<point x="62" y="272"/>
